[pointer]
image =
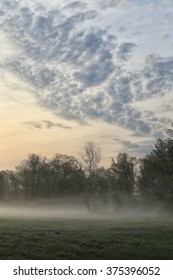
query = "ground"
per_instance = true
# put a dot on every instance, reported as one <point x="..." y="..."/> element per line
<point x="96" y="238"/>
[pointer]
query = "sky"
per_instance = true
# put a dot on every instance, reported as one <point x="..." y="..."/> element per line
<point x="79" y="71"/>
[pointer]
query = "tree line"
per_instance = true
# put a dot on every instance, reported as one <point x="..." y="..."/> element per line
<point x="127" y="182"/>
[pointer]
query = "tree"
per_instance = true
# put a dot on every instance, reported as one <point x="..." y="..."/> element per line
<point x="164" y="150"/>
<point x="30" y="175"/>
<point x="67" y="177"/>
<point x="8" y="185"/>
<point x="2" y="185"/>
<point x="122" y="178"/>
<point x="97" y="196"/>
<point x="155" y="181"/>
<point x="91" y="157"/>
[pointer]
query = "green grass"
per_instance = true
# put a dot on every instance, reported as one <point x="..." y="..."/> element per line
<point x="86" y="239"/>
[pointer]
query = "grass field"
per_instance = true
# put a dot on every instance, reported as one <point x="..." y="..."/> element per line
<point x="94" y="238"/>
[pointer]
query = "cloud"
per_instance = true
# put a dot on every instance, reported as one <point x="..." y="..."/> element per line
<point x="95" y="73"/>
<point x="33" y="124"/>
<point x="125" y="50"/>
<point x="76" y="5"/>
<point x="140" y="148"/>
<point x="113" y="3"/>
<point x="122" y="28"/>
<point x="133" y="119"/>
<point x="50" y="124"/>
<point x="158" y="71"/>
<point x="45" y="124"/>
<point x="79" y="68"/>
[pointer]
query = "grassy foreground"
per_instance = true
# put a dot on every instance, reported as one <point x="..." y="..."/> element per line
<point x="86" y="239"/>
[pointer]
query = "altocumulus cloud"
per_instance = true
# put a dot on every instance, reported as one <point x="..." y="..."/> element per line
<point x="81" y="70"/>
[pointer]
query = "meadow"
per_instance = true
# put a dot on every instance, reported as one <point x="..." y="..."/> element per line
<point x="89" y="238"/>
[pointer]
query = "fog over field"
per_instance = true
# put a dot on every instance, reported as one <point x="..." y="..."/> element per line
<point x="66" y="210"/>
<point x="51" y="230"/>
<point x="42" y="212"/>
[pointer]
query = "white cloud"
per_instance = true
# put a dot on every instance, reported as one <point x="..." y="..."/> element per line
<point x="81" y="70"/>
